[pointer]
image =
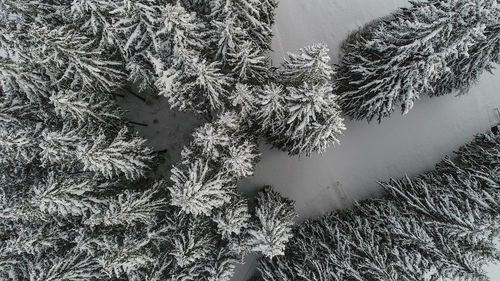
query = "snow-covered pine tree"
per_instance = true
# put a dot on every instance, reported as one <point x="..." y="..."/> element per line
<point x="271" y="228"/>
<point x="429" y="48"/>
<point x="233" y="220"/>
<point x="231" y="39"/>
<point x="22" y="78"/>
<point x="437" y="226"/>
<point x="242" y="99"/>
<point x="84" y="107"/>
<point x="230" y="36"/>
<point x="311" y="65"/>
<point x="193" y="52"/>
<point x="58" y="52"/>
<point x="465" y="70"/>
<point x="314" y="122"/>
<point x="270" y="109"/>
<point x="249" y="64"/>
<point x="198" y="189"/>
<point x="242" y="20"/>
<point x="221" y="153"/>
<point x="303" y="117"/>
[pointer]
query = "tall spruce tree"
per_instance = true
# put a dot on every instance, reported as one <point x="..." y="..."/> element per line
<point x="431" y="48"/>
<point x="302" y="116"/>
<point x="437" y="226"/>
<point x="272" y="226"/>
<point x="221" y="153"/>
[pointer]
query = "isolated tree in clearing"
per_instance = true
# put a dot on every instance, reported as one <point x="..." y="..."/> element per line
<point x="431" y="48"/>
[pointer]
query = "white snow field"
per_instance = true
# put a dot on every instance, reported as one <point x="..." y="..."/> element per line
<point x="399" y="146"/>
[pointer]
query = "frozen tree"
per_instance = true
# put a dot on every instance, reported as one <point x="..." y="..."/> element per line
<point x="272" y="227"/>
<point x="249" y="63"/>
<point x="75" y="59"/>
<point x="222" y="268"/>
<point x="97" y="19"/>
<point x="304" y="116"/>
<point x="133" y="31"/>
<point x="240" y="160"/>
<point x="230" y="36"/>
<point x="183" y="30"/>
<point x="16" y="146"/>
<point x="465" y="70"/>
<point x="15" y="77"/>
<point x="128" y="28"/>
<point x="125" y="258"/>
<point x="130" y="208"/>
<point x="221" y="153"/>
<point x="67" y="197"/>
<point x="233" y="219"/>
<point x="310" y="65"/>
<point x="186" y="78"/>
<point x="314" y="120"/>
<point x="199" y="87"/>
<point x="271" y="109"/>
<point x="189" y="247"/>
<point x="185" y="37"/>
<point x="123" y="155"/>
<point x="430" y="48"/>
<point x="211" y="140"/>
<point x="73" y="266"/>
<point x="65" y="57"/>
<point x="437" y="226"/>
<point x="84" y="107"/>
<point x="242" y="98"/>
<point x="252" y="17"/>
<point x="197" y="189"/>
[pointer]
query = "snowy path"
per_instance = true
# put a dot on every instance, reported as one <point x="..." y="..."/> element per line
<point x="368" y="152"/>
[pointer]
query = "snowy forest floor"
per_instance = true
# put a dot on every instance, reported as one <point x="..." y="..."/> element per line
<point x="399" y="146"/>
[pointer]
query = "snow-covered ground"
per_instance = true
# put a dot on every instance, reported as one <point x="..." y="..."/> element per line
<point x="166" y="130"/>
<point x="400" y="145"/>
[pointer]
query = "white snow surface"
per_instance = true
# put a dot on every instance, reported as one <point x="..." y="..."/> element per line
<point x="167" y="130"/>
<point x="369" y="152"/>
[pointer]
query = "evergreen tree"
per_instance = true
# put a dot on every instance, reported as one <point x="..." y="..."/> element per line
<point x="311" y="65"/>
<point x="304" y="117"/>
<point x="431" y="48"/>
<point x="270" y="109"/>
<point x="249" y="63"/>
<point x="437" y="226"/>
<point x="243" y="19"/>
<point x="221" y="153"/>
<point x="197" y="189"/>
<point x="84" y="107"/>
<point x="243" y="99"/>
<point x="234" y="219"/>
<point x="272" y="226"/>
